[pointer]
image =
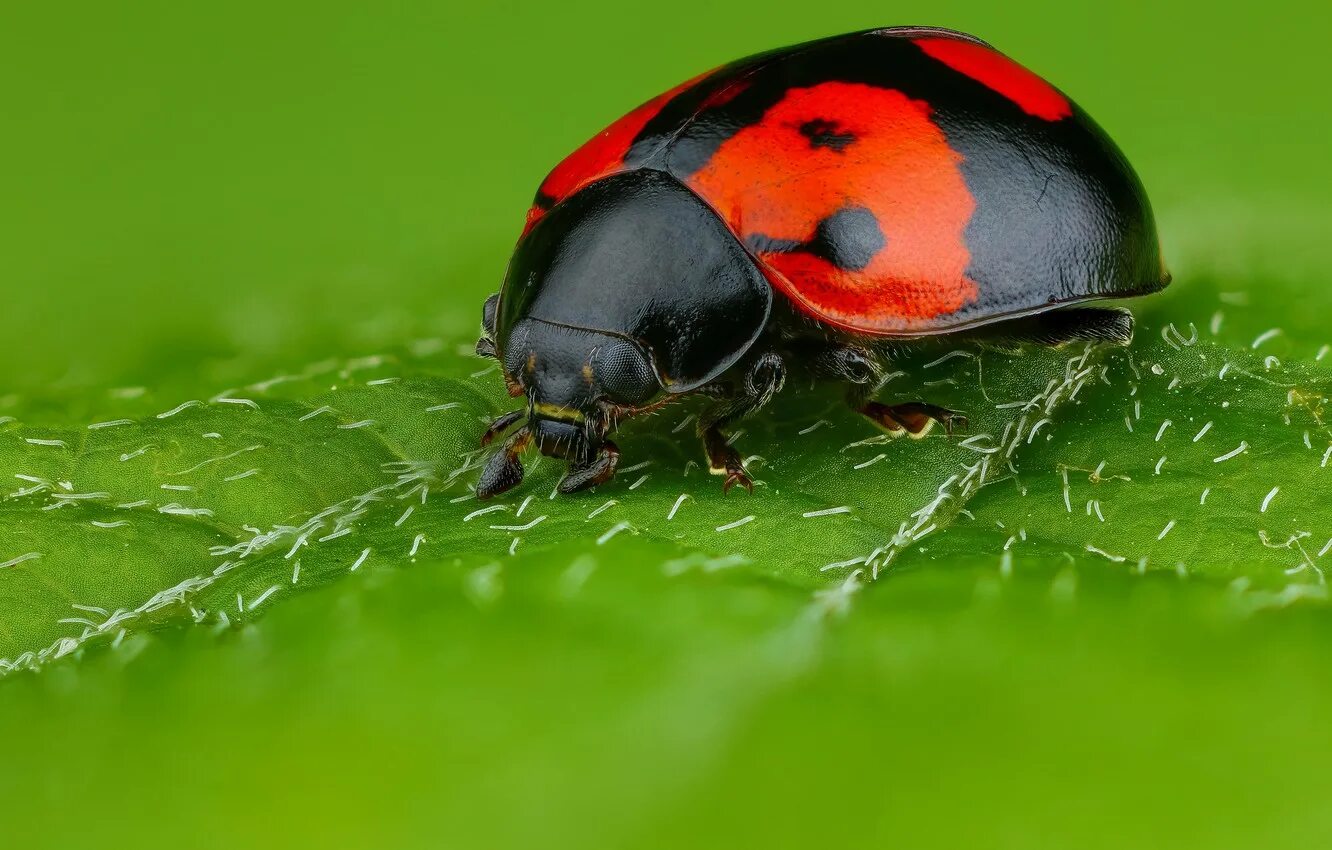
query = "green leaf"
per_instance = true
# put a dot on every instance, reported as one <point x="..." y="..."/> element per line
<point x="245" y="251"/>
<point x="1172" y="455"/>
<point x="206" y="511"/>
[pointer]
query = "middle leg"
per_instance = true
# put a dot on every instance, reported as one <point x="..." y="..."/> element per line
<point x="764" y="379"/>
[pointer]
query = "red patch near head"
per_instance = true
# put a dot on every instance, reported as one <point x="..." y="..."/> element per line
<point x="604" y="153"/>
<point x="776" y="180"/>
<point x="996" y="71"/>
<point x="534" y="214"/>
<point x="726" y="94"/>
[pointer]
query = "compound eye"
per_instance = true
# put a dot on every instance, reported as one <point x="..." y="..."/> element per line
<point x="624" y="374"/>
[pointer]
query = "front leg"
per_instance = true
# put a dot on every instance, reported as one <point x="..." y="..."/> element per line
<point x="501" y="424"/>
<point x="762" y="381"/>
<point x="599" y="470"/>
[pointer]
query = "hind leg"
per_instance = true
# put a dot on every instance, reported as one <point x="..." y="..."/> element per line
<point x="915" y="419"/>
<point x="863" y="371"/>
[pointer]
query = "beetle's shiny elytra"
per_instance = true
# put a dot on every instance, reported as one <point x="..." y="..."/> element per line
<point x="802" y="209"/>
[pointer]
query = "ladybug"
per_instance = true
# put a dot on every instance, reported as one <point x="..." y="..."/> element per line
<point x="811" y="208"/>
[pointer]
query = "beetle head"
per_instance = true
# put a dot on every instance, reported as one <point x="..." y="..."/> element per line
<point x="578" y="384"/>
<point x="630" y="290"/>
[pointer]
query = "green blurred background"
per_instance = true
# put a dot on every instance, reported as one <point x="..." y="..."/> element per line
<point x="212" y="194"/>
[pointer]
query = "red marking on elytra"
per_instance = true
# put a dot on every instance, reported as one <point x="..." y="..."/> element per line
<point x="769" y="180"/>
<point x="534" y="214"/>
<point x="603" y="154"/>
<point x="996" y="71"/>
<point x="726" y="94"/>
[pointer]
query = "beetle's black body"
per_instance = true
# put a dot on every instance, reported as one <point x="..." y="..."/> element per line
<point x="688" y="291"/>
<point x="641" y="277"/>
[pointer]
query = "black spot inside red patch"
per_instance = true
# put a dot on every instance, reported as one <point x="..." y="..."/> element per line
<point x="823" y="133"/>
<point x="849" y="239"/>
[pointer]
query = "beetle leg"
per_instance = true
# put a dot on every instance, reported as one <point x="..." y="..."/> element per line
<point x="857" y="367"/>
<point x="504" y="470"/>
<point x="764" y="379"/>
<point x="1060" y="327"/>
<point x="599" y="471"/>
<point x="723" y="459"/>
<point x="863" y="373"/>
<point x="914" y="419"/>
<point x="500" y="425"/>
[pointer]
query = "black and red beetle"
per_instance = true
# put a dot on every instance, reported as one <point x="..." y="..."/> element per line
<point x="808" y="208"/>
